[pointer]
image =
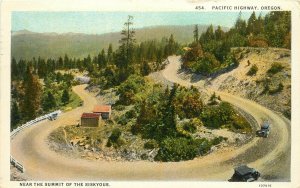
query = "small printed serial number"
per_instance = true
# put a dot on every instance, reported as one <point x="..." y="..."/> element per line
<point x="199" y="7"/>
<point x="265" y="185"/>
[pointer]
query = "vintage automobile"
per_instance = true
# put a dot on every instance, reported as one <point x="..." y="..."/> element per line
<point x="53" y="117"/>
<point x="264" y="130"/>
<point x="244" y="173"/>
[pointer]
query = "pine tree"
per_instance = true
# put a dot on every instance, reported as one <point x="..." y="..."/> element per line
<point x="125" y="54"/>
<point x="169" y="115"/>
<point x="208" y="35"/>
<point x="145" y="69"/>
<point x="240" y="25"/>
<point x="109" y="53"/>
<point x="259" y="25"/>
<point x="14" y="69"/>
<point x="66" y="62"/>
<point x="102" y="59"/>
<point x="277" y="26"/>
<point x="127" y="42"/>
<point x="196" y="34"/>
<point x="219" y="33"/>
<point x="65" y="97"/>
<point x="60" y="63"/>
<point x="251" y="23"/>
<point x="32" y="95"/>
<point x="49" y="101"/>
<point x="15" y="116"/>
<point x="172" y="44"/>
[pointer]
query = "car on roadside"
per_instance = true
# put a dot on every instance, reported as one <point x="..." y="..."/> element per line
<point x="53" y="117"/>
<point x="244" y="173"/>
<point x="264" y="130"/>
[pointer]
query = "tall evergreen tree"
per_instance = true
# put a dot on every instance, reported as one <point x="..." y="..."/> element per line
<point x="169" y="117"/>
<point x="60" y="63"/>
<point x="15" y="116"/>
<point x="14" y="69"/>
<point x="171" y="45"/>
<point x="127" y="42"/>
<point x="67" y="64"/>
<point x="49" y="101"/>
<point x="259" y="25"/>
<point x="240" y="25"/>
<point x="32" y="95"/>
<point x="277" y="27"/>
<point x="145" y="68"/>
<point x="65" y="97"/>
<point x="251" y="23"/>
<point x="102" y="60"/>
<point x="109" y="53"/>
<point x="219" y="33"/>
<point x="196" y="34"/>
<point x="208" y="35"/>
<point x="125" y="54"/>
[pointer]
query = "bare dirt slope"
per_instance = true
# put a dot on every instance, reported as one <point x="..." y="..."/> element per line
<point x="237" y="81"/>
<point x="30" y="147"/>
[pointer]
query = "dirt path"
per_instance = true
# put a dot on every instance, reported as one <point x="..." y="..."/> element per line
<point x="31" y="149"/>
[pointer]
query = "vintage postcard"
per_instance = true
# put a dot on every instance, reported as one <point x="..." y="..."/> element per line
<point x="149" y="93"/>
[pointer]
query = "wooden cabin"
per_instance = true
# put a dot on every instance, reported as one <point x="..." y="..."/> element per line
<point x="103" y="110"/>
<point x="90" y="120"/>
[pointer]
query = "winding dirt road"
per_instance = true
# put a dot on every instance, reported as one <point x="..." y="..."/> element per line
<point x="31" y="149"/>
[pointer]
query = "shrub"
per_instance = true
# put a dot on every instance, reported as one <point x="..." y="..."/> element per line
<point x="119" y="107"/>
<point x="151" y="144"/>
<point x="275" y="68"/>
<point x="197" y="122"/>
<point x="136" y="128"/>
<point x="207" y="64"/>
<point x="277" y="90"/>
<point x="188" y="102"/>
<point x="144" y="156"/>
<point x="216" y="116"/>
<point x="116" y="133"/>
<point x="231" y="60"/>
<point x="115" y="138"/>
<point x="189" y="127"/>
<point x="287" y="113"/>
<point x="203" y="145"/>
<point x="129" y="88"/>
<point x="252" y="70"/>
<point x="193" y="53"/>
<point x="176" y="149"/>
<point x="125" y="118"/>
<point x="131" y="114"/>
<point x="217" y="140"/>
<point x="258" y="41"/>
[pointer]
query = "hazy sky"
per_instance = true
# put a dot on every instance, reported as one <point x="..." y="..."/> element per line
<point x="104" y="22"/>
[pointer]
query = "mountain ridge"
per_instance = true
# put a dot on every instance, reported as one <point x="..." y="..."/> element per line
<point x="27" y="44"/>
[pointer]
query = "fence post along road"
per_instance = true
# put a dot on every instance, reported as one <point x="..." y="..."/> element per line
<point x="51" y="116"/>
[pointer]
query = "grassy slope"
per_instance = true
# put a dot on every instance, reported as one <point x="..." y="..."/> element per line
<point x="74" y="101"/>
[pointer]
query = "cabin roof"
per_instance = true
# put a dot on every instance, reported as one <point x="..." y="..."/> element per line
<point x="90" y="115"/>
<point x="102" y="108"/>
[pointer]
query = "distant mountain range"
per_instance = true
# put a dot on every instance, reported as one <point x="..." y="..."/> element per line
<point x="27" y="44"/>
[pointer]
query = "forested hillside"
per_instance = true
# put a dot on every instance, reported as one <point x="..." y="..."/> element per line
<point x="168" y="120"/>
<point x="37" y="85"/>
<point x="210" y="52"/>
<point x="26" y="44"/>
